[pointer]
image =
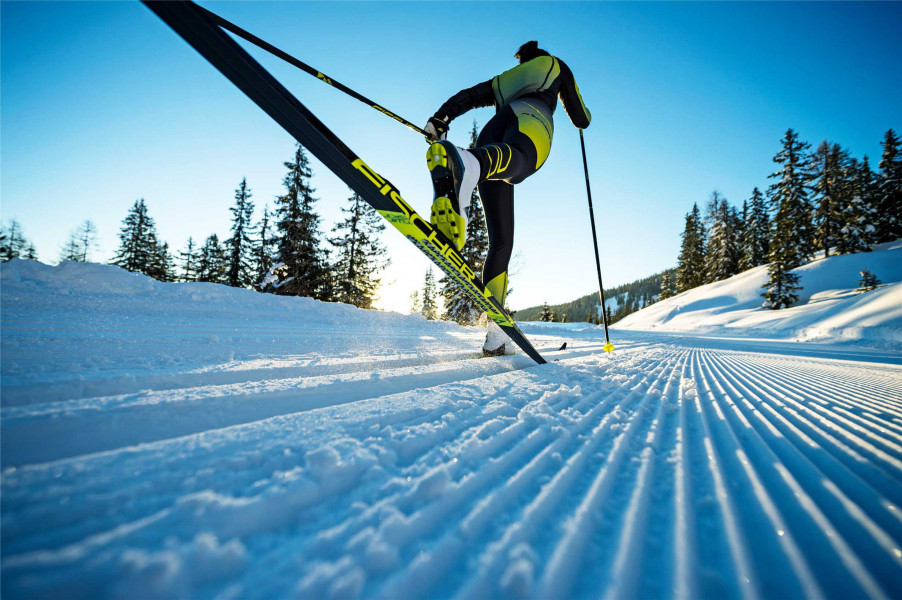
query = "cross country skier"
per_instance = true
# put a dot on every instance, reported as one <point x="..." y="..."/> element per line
<point x="512" y="146"/>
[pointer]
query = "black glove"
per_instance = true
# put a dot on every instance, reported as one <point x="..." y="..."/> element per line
<point x="436" y="128"/>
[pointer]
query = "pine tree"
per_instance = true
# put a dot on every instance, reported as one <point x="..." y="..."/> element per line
<point x="189" y="260"/>
<point x="668" y="289"/>
<point x="723" y="249"/>
<point x="458" y="305"/>
<point x="212" y="261"/>
<point x="415" y="302"/>
<point x="14" y="244"/>
<point x="360" y="254"/>
<point x="790" y="196"/>
<point x="859" y="213"/>
<point x="239" y="246"/>
<point x="82" y="241"/>
<point x="300" y="267"/>
<point x="429" y="308"/>
<point x="263" y="260"/>
<point x="162" y="265"/>
<point x="691" y="265"/>
<point x="139" y="250"/>
<point x="889" y="208"/>
<point x="547" y="314"/>
<point x="868" y="281"/>
<point x="781" y="288"/>
<point x="830" y="165"/>
<point x="756" y="233"/>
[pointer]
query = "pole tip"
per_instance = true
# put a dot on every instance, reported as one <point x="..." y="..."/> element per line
<point x="609" y="347"/>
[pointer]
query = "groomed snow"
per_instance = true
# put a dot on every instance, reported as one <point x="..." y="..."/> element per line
<point x="196" y="441"/>
<point x="829" y="307"/>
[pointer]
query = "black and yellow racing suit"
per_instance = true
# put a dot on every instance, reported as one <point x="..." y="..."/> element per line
<point x="514" y="143"/>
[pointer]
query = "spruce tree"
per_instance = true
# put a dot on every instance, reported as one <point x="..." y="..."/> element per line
<point x="889" y="226"/>
<point x="415" y="302"/>
<point x="723" y="250"/>
<point x="691" y="265"/>
<point x="239" y="246"/>
<point x="547" y="314"/>
<point x="859" y="212"/>
<point x="263" y="260"/>
<point x="189" y="260"/>
<point x="300" y="267"/>
<point x="360" y="253"/>
<point x="789" y="195"/>
<point x="429" y="308"/>
<point x="212" y="261"/>
<point x="458" y="305"/>
<point x="139" y="250"/>
<point x="868" y="281"/>
<point x="830" y="165"/>
<point x="668" y="289"/>
<point x="162" y="266"/>
<point x="756" y="233"/>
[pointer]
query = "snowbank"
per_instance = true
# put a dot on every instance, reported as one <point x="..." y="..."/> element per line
<point x="829" y="306"/>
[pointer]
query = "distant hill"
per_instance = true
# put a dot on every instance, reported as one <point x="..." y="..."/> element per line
<point x="620" y="301"/>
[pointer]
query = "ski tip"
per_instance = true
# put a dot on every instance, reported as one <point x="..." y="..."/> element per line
<point x="609" y="347"/>
<point x="564" y="347"/>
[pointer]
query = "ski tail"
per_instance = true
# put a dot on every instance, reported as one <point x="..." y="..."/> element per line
<point x="204" y="35"/>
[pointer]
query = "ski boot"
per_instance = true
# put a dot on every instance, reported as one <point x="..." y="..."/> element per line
<point x="496" y="342"/>
<point x="455" y="172"/>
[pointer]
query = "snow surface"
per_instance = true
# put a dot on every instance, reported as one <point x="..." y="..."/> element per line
<point x="829" y="307"/>
<point x="197" y="441"/>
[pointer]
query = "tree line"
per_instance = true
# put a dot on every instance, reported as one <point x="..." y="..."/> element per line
<point x="822" y="200"/>
<point x="283" y="253"/>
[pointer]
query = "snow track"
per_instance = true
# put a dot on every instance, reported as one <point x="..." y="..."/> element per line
<point x="665" y="469"/>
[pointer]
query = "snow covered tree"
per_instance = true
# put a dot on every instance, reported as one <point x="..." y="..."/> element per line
<point x="723" y="250"/>
<point x="13" y="244"/>
<point x="755" y="234"/>
<point x="139" y="250"/>
<point x="889" y="226"/>
<point x="547" y="314"/>
<point x="668" y="287"/>
<point x="781" y="288"/>
<point x="458" y="305"/>
<point x="429" y="308"/>
<point x="212" y="261"/>
<point x="859" y="212"/>
<point x="360" y="253"/>
<point x="263" y="248"/>
<point x="868" y="281"/>
<point x="240" y="247"/>
<point x="189" y="261"/>
<point x="691" y="265"/>
<point x="300" y="267"/>
<point x="415" y="302"/>
<point x="789" y="195"/>
<point x="82" y="241"/>
<point x="829" y="171"/>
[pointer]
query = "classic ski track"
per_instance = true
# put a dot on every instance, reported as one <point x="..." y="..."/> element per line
<point x="763" y="473"/>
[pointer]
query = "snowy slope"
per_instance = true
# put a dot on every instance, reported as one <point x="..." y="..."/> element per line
<point x="829" y="306"/>
<point x="195" y="441"/>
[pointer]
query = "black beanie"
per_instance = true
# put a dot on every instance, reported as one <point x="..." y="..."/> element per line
<point x="529" y="51"/>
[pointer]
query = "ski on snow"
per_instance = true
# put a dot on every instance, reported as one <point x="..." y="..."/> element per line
<point x="204" y="35"/>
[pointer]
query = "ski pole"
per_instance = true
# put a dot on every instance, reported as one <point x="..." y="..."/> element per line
<point x="228" y="25"/>
<point x="604" y="313"/>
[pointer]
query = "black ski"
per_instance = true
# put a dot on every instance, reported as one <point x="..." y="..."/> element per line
<point x="204" y="35"/>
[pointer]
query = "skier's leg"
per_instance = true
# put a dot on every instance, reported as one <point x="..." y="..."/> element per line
<point x="515" y="143"/>
<point x="498" y="204"/>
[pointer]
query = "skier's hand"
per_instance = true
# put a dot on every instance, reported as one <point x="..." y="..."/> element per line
<point x="436" y="129"/>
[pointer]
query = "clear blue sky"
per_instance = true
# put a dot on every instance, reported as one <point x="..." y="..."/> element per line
<point x="102" y="104"/>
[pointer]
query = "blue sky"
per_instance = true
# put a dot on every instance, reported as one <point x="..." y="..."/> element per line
<point x="102" y="104"/>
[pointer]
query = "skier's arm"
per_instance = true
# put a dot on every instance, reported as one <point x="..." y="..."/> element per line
<point x="572" y="100"/>
<point x="477" y="96"/>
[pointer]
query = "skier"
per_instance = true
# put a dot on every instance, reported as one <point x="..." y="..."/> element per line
<point x="512" y="146"/>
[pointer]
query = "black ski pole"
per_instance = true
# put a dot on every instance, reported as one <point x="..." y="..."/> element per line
<point x="604" y="313"/>
<point x="250" y="37"/>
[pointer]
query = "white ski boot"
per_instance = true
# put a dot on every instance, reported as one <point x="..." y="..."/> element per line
<point x="496" y="342"/>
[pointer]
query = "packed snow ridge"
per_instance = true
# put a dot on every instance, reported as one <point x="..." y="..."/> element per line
<point x="829" y="307"/>
<point x="198" y="441"/>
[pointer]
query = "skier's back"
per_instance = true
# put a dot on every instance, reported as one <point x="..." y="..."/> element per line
<point x="512" y="146"/>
